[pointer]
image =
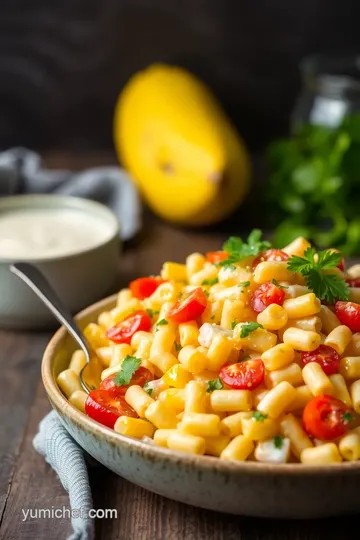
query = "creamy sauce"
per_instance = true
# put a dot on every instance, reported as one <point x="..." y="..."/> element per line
<point x="38" y="233"/>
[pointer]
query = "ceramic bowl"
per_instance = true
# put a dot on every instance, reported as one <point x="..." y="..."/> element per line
<point x="79" y="279"/>
<point x="245" y="488"/>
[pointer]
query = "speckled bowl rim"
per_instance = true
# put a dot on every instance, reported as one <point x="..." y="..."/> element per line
<point x="39" y="200"/>
<point x="202" y="463"/>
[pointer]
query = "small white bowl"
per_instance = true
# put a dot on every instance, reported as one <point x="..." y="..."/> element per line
<point x="79" y="278"/>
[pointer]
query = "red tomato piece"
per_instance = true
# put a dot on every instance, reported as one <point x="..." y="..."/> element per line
<point x="353" y="282"/>
<point x="324" y="355"/>
<point x="145" y="286"/>
<point x="246" y="375"/>
<point x="270" y="255"/>
<point x="190" y="307"/>
<point x="326" y="418"/>
<point x="216" y="256"/>
<point x="140" y="377"/>
<point x="348" y="313"/>
<point x="341" y="265"/>
<point x="124" y="331"/>
<point x="267" y="294"/>
<point x="105" y="408"/>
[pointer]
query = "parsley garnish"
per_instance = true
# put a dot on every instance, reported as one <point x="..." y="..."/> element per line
<point x="178" y="347"/>
<point x="274" y="282"/>
<point x="249" y="327"/>
<point x="244" y="284"/>
<point x="215" y="384"/>
<point x="210" y="281"/>
<point x="278" y="441"/>
<point x="129" y="365"/>
<point x="233" y="324"/>
<point x="259" y="416"/>
<point x="152" y="313"/>
<point x="348" y="417"/>
<point x="162" y="322"/>
<point x="239" y="250"/>
<point x="327" y="287"/>
<point x="148" y="388"/>
<point x="206" y="293"/>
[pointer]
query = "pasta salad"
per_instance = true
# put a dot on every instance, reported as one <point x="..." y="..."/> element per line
<point x="249" y="353"/>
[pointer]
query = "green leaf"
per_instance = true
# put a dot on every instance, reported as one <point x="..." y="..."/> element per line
<point x="210" y="281"/>
<point x="148" y="388"/>
<point x="207" y="294"/>
<point x="278" y="441"/>
<point x="238" y="250"/>
<point x="348" y="418"/>
<point x="244" y="284"/>
<point x="233" y="324"/>
<point x="162" y="322"/>
<point x="129" y="366"/>
<point x="215" y="384"/>
<point x="328" y="287"/>
<point x="258" y="416"/>
<point x="152" y="312"/>
<point x="249" y="327"/>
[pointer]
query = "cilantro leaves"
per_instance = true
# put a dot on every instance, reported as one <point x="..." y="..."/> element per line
<point x="278" y="441"/>
<point x="215" y="384"/>
<point x="129" y="365"/>
<point x="249" y="327"/>
<point x="259" y="416"/>
<point x="274" y="282"/>
<point x="210" y="281"/>
<point x="239" y="250"/>
<point x="313" y="267"/>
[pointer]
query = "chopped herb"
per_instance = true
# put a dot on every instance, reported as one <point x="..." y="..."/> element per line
<point x="162" y="322"/>
<point x="274" y="282"/>
<point x="259" y="416"/>
<point x="244" y="284"/>
<point x="329" y="287"/>
<point x="206" y="293"/>
<point x="215" y="384"/>
<point x="348" y="417"/>
<point x="178" y="347"/>
<point x="212" y="318"/>
<point x="129" y="365"/>
<point x="249" y="327"/>
<point x="152" y="313"/>
<point x="278" y="441"/>
<point x="148" y="388"/>
<point x="239" y="250"/>
<point x="210" y="281"/>
<point x="233" y="324"/>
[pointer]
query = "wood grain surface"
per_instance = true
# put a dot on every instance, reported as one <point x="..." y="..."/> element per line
<point x="27" y="482"/>
<point x="63" y="63"/>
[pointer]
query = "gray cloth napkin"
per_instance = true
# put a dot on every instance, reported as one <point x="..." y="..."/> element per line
<point x="22" y="171"/>
<point x="68" y="460"/>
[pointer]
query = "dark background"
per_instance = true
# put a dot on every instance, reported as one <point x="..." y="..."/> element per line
<point x="63" y="62"/>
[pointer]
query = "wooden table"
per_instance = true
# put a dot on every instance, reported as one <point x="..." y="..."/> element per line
<point x="27" y="482"/>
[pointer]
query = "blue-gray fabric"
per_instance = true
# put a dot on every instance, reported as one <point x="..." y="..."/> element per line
<point x="22" y="171"/>
<point x="67" y="459"/>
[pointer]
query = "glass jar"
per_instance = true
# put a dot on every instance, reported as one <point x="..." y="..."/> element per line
<point x="330" y="90"/>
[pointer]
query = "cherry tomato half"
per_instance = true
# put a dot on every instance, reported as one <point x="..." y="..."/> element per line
<point x="144" y="287"/>
<point x="101" y="406"/>
<point x="216" y="256"/>
<point x="267" y="294"/>
<point x="243" y="375"/>
<point x="341" y="265"/>
<point x="326" y="418"/>
<point x="124" y="331"/>
<point x="348" y="313"/>
<point x="353" y="282"/>
<point x="324" y="355"/>
<point x="270" y="255"/>
<point x="190" y="307"/>
<point x="140" y="377"/>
